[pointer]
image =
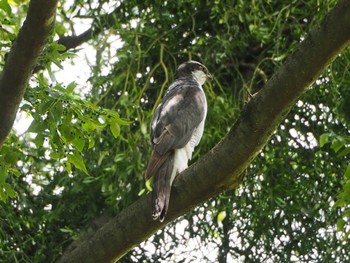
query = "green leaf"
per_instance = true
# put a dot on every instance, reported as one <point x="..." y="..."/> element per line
<point x="67" y="132"/>
<point x="47" y="106"/>
<point x="339" y="203"/>
<point x="347" y="173"/>
<point x="55" y="155"/>
<point x="11" y="157"/>
<point x="68" y="116"/>
<point x="280" y="202"/>
<point x="122" y="122"/>
<point x="89" y="179"/>
<point x="77" y="160"/>
<point x="58" y="47"/>
<point x="12" y="36"/>
<point x="91" y="125"/>
<point x="3" y="195"/>
<point x="15" y="172"/>
<point x="39" y="140"/>
<point x="67" y="230"/>
<point x="91" y="142"/>
<point x="79" y="143"/>
<point x="337" y="145"/>
<point x="344" y="152"/>
<point x="37" y="126"/>
<point x="144" y="128"/>
<point x="221" y="216"/>
<point x="88" y="126"/>
<point x="68" y="167"/>
<point x="111" y="113"/>
<point x="142" y="192"/>
<point x="56" y="112"/>
<point x="340" y="224"/>
<point x="148" y="185"/>
<point x="9" y="191"/>
<point x="6" y="7"/>
<point x="115" y="129"/>
<point x="252" y="27"/>
<point x="324" y="139"/>
<point x="90" y="105"/>
<point x="70" y="88"/>
<point x="3" y="175"/>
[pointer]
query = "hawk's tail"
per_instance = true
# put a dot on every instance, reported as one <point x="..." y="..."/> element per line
<point x="162" y="188"/>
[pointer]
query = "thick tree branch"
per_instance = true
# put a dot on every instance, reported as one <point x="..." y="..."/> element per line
<point x="220" y="169"/>
<point x="22" y="58"/>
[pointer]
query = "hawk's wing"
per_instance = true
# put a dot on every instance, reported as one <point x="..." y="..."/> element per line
<point x="181" y="111"/>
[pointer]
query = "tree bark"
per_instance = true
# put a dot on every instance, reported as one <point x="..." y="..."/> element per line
<point x="221" y="167"/>
<point x="21" y="60"/>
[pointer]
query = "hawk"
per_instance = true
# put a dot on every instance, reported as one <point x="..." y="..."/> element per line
<point x="176" y="129"/>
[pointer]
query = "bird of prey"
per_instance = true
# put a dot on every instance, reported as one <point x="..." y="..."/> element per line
<point x="176" y="129"/>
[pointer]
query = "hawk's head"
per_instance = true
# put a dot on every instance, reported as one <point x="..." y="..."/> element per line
<point x="194" y="69"/>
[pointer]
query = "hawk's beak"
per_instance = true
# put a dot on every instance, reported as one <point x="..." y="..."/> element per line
<point x="209" y="76"/>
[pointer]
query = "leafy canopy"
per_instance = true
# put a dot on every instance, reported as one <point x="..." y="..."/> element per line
<point x="82" y="158"/>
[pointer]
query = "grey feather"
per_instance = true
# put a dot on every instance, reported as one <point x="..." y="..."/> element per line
<point x="176" y="128"/>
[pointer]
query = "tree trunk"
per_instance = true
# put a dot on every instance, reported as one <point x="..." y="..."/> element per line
<point x="21" y="60"/>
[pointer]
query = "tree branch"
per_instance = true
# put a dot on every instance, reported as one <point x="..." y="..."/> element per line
<point x="220" y="168"/>
<point x="21" y="60"/>
<point x="98" y="24"/>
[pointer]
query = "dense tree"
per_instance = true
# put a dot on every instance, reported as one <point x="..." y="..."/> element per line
<point x="274" y="188"/>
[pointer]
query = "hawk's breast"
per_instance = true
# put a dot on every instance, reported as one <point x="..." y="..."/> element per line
<point x="184" y="154"/>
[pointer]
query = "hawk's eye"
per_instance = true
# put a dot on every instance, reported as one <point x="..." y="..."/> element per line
<point x="201" y="68"/>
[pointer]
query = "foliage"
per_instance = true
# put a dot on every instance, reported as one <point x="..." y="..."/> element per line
<point x="87" y="147"/>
